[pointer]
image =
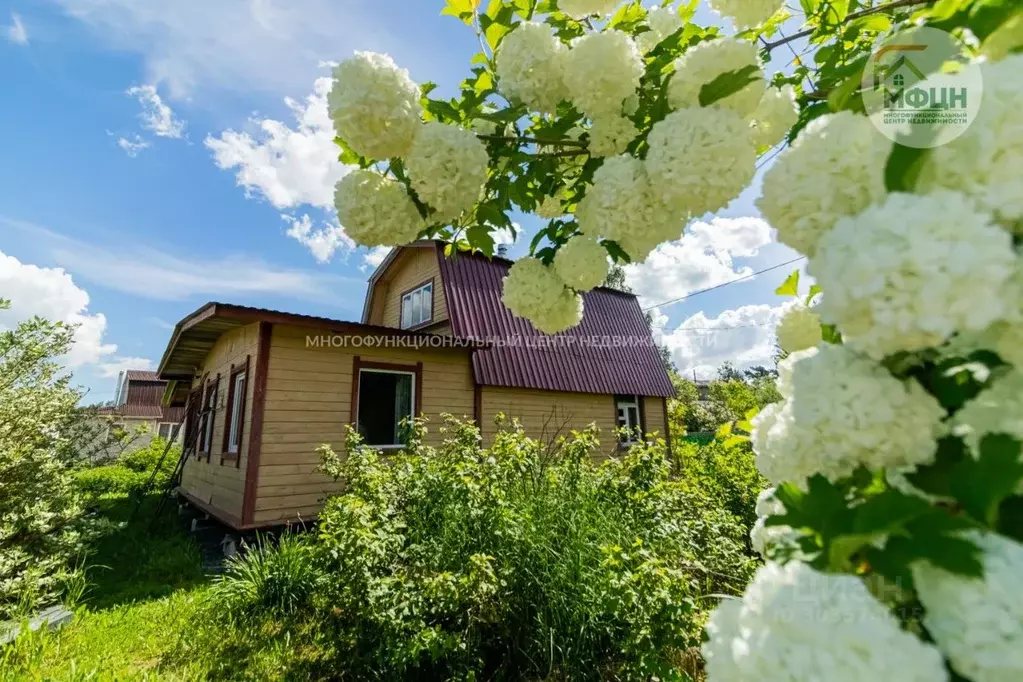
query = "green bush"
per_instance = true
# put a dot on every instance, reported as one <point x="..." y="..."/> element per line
<point x="506" y="563"/>
<point x="130" y="473"/>
<point x="726" y="475"/>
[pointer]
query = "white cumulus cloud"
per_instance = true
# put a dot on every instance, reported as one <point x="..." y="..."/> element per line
<point x="743" y="336"/>
<point x="52" y="294"/>
<point x="703" y="257"/>
<point x="287" y="166"/>
<point x="156" y="116"/>
<point x="132" y="146"/>
<point x="374" y="257"/>
<point x="321" y="241"/>
<point x="16" y="32"/>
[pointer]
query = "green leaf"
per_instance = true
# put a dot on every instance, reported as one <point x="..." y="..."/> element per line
<point x="903" y="167"/>
<point x="723" y="431"/>
<point x="484" y="83"/>
<point x="980" y="485"/>
<point x="727" y="84"/>
<point x="461" y="9"/>
<point x="888" y="512"/>
<point x="732" y="441"/>
<point x="830" y="334"/>
<point x="838" y="10"/>
<point x="790" y="287"/>
<point x="809" y="6"/>
<point x="480" y="237"/>
<point x="814" y="290"/>
<point x="936" y="478"/>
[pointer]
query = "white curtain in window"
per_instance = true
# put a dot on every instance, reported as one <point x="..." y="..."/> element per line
<point x="402" y="403"/>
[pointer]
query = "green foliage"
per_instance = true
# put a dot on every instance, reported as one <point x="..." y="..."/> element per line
<point x="41" y="527"/>
<point x="507" y="563"/>
<point x="724" y="473"/>
<point x="131" y="473"/>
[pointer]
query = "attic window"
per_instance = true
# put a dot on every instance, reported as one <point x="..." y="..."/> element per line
<point x="417" y="306"/>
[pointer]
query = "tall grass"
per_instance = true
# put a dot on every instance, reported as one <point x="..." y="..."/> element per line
<point x="272" y="577"/>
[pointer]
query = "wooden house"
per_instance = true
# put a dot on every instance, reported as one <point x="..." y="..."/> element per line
<point x="265" y="388"/>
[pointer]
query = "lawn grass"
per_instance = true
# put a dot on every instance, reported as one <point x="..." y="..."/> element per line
<point x="145" y="583"/>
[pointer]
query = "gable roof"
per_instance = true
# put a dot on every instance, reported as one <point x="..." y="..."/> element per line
<point x="610" y="351"/>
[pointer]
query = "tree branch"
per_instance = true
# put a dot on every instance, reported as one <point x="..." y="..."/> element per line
<point x="532" y="140"/>
<point x="854" y="15"/>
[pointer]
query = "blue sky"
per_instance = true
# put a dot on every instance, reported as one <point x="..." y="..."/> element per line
<point x="158" y="155"/>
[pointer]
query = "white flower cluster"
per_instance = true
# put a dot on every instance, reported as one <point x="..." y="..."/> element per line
<point x="746" y="13"/>
<point x="799" y="329"/>
<point x="760" y="535"/>
<point x="835" y="168"/>
<point x="610" y="135"/>
<point x="996" y="409"/>
<point x="534" y="291"/>
<point x="663" y="21"/>
<point x="699" y="160"/>
<point x="550" y="208"/>
<point x="447" y="166"/>
<point x="908" y="273"/>
<point x="601" y="71"/>
<point x="530" y="66"/>
<point x="578" y="9"/>
<point x="581" y="263"/>
<point x="708" y="60"/>
<point x="376" y="211"/>
<point x="841" y="411"/>
<point x="775" y="115"/>
<point x="986" y="161"/>
<point x="374" y="105"/>
<point x="794" y="624"/>
<point x="618" y="207"/>
<point x="978" y="622"/>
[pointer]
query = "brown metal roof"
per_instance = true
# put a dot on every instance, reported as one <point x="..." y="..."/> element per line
<point x="165" y="414"/>
<point x="141" y="375"/>
<point x="610" y="351"/>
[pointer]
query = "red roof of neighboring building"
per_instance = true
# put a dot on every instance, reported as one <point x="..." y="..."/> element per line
<point x="141" y="375"/>
<point x="610" y="351"/>
<point x="164" y="414"/>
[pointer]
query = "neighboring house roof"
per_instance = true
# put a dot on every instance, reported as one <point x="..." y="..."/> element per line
<point x="610" y="351"/>
<point x="141" y="375"/>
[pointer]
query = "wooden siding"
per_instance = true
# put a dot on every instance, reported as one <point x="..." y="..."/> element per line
<point x="414" y="266"/>
<point x="653" y="416"/>
<point x="222" y="486"/>
<point x="308" y="402"/>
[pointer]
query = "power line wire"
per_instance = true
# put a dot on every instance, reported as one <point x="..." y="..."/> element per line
<point x="724" y="284"/>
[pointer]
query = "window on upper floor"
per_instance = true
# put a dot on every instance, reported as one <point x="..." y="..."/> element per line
<point x="417" y="306"/>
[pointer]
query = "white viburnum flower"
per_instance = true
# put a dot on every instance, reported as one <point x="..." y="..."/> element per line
<point x="610" y="135"/>
<point x="841" y="411"/>
<point x="708" y="60"/>
<point x="374" y="105"/>
<point x="447" y="166"/>
<point x="699" y="160"/>
<point x="376" y="211"/>
<point x="996" y="409"/>
<point x="799" y="329"/>
<point x="663" y="21"/>
<point x="986" y="161"/>
<point x="910" y="272"/>
<point x="601" y="71"/>
<point x="619" y="207"/>
<point x="746" y="13"/>
<point x="795" y="624"/>
<point x="531" y="67"/>
<point x="581" y="263"/>
<point x="978" y="622"/>
<point x="835" y="168"/>
<point x="774" y="116"/>
<point x="579" y="9"/>
<point x="761" y="535"/>
<point x="534" y="291"/>
<point x="550" y="208"/>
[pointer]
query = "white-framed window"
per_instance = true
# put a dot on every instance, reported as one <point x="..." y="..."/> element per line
<point x="237" y="400"/>
<point x="165" y="430"/>
<point x="627" y="407"/>
<point x="417" y="306"/>
<point x="386" y="397"/>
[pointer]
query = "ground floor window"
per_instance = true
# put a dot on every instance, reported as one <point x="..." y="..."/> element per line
<point x="386" y="397"/>
<point x="627" y="409"/>
<point x="165" y="430"/>
<point x="236" y="410"/>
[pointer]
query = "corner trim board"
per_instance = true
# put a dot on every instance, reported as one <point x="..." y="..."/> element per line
<point x="256" y="430"/>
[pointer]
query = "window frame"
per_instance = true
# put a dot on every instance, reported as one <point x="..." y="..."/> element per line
<point x="235" y="408"/>
<point x="359" y="365"/>
<point x="409" y="294"/>
<point x="625" y="402"/>
<point x="209" y="403"/>
<point x="170" y="429"/>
